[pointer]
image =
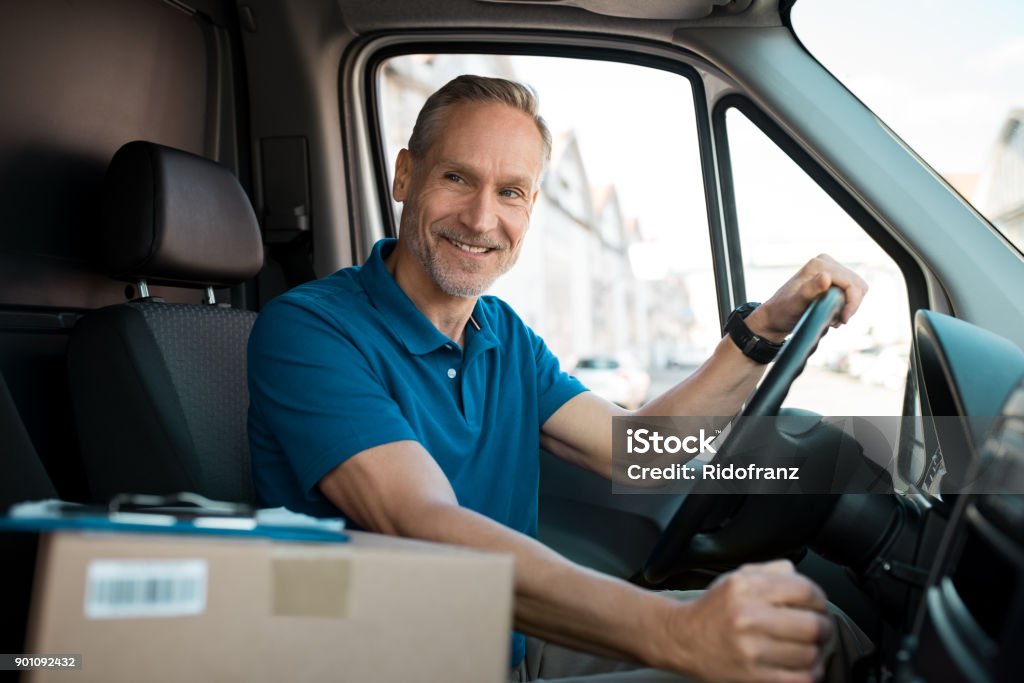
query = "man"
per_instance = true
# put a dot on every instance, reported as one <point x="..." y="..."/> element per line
<point x="398" y="395"/>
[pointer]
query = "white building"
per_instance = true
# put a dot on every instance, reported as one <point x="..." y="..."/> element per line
<point x="1000" y="191"/>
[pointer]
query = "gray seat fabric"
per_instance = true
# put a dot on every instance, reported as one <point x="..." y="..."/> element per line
<point x="160" y="399"/>
<point x="160" y="389"/>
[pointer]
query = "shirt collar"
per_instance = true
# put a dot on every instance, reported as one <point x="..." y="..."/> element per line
<point x="479" y="334"/>
<point x="401" y="315"/>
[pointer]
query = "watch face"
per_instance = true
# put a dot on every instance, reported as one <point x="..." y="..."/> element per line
<point x="740" y="313"/>
<point x="747" y="308"/>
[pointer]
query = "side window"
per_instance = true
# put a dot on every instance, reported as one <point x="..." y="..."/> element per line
<point x="616" y="272"/>
<point x="784" y="219"/>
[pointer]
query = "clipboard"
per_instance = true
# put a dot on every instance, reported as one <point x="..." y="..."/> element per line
<point x="182" y="513"/>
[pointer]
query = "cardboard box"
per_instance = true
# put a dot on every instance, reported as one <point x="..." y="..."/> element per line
<point x="152" y="607"/>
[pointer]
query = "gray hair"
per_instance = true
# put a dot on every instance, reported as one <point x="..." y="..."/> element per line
<point x="482" y="89"/>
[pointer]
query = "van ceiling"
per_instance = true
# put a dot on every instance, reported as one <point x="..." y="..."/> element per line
<point x="655" y="20"/>
<point x="649" y="9"/>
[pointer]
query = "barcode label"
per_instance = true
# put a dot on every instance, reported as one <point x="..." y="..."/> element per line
<point x="119" y="589"/>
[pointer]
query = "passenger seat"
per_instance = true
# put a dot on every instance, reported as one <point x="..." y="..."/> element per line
<point x="159" y="389"/>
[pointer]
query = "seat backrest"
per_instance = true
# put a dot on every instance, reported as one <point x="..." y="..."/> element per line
<point x="159" y="389"/>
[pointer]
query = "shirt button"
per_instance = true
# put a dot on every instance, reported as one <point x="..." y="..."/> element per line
<point x="448" y="346"/>
<point x="451" y="373"/>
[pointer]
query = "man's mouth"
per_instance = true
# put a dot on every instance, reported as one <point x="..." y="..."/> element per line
<point x="468" y="247"/>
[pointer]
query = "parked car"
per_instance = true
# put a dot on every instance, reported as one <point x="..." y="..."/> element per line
<point x="287" y="98"/>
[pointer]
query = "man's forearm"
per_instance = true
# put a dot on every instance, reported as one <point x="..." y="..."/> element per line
<point x="399" y="489"/>
<point x="556" y="599"/>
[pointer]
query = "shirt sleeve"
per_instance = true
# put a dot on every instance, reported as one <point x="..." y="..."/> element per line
<point x="554" y="385"/>
<point x="316" y="393"/>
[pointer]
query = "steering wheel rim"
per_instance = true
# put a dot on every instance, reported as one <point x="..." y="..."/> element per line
<point x="765" y="401"/>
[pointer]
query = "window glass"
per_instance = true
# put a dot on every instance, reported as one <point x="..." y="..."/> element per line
<point x="785" y="219"/>
<point x="946" y="77"/>
<point x="615" y="273"/>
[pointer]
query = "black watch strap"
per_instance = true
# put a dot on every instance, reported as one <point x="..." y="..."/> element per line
<point x="753" y="347"/>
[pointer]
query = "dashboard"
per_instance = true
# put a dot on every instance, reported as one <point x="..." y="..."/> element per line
<point x="970" y="623"/>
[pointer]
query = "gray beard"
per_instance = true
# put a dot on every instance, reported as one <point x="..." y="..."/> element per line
<point x="448" y="282"/>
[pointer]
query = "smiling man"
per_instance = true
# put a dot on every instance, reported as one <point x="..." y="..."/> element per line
<point x="398" y="395"/>
<point x="455" y="240"/>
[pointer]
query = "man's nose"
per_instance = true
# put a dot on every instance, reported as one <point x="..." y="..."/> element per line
<point x="480" y="211"/>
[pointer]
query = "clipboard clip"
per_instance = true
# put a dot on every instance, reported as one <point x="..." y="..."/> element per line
<point x="183" y="505"/>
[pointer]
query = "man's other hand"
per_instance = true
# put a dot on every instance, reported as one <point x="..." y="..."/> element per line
<point x="762" y="622"/>
<point x="775" y="318"/>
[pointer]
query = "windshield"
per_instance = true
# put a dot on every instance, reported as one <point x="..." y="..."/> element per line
<point x="946" y="76"/>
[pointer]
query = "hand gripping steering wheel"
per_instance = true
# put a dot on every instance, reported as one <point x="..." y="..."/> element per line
<point x="686" y="524"/>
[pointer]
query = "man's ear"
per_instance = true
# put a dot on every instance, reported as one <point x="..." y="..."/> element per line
<point x="533" y="199"/>
<point x="403" y="175"/>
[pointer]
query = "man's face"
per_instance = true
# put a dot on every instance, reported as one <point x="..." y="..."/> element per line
<point x="468" y="201"/>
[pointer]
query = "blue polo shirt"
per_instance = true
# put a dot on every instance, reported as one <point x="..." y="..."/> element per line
<point x="348" y="362"/>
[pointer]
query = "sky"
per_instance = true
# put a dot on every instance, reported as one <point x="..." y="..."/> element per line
<point x="942" y="73"/>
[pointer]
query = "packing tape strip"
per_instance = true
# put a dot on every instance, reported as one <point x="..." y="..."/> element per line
<point x="310" y="587"/>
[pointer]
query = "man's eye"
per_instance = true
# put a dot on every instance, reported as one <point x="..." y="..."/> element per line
<point x="453" y="177"/>
<point x="511" y="194"/>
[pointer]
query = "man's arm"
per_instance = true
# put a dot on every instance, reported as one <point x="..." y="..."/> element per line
<point x="762" y="623"/>
<point x="581" y="430"/>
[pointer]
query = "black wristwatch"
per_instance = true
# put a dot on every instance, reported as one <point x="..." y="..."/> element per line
<point x="753" y="347"/>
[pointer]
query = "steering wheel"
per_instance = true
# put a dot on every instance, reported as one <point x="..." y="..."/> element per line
<point x="695" y="509"/>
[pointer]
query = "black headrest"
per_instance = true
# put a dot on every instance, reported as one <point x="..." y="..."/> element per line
<point x="175" y="218"/>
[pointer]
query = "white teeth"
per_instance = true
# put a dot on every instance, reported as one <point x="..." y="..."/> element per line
<point x="466" y="247"/>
